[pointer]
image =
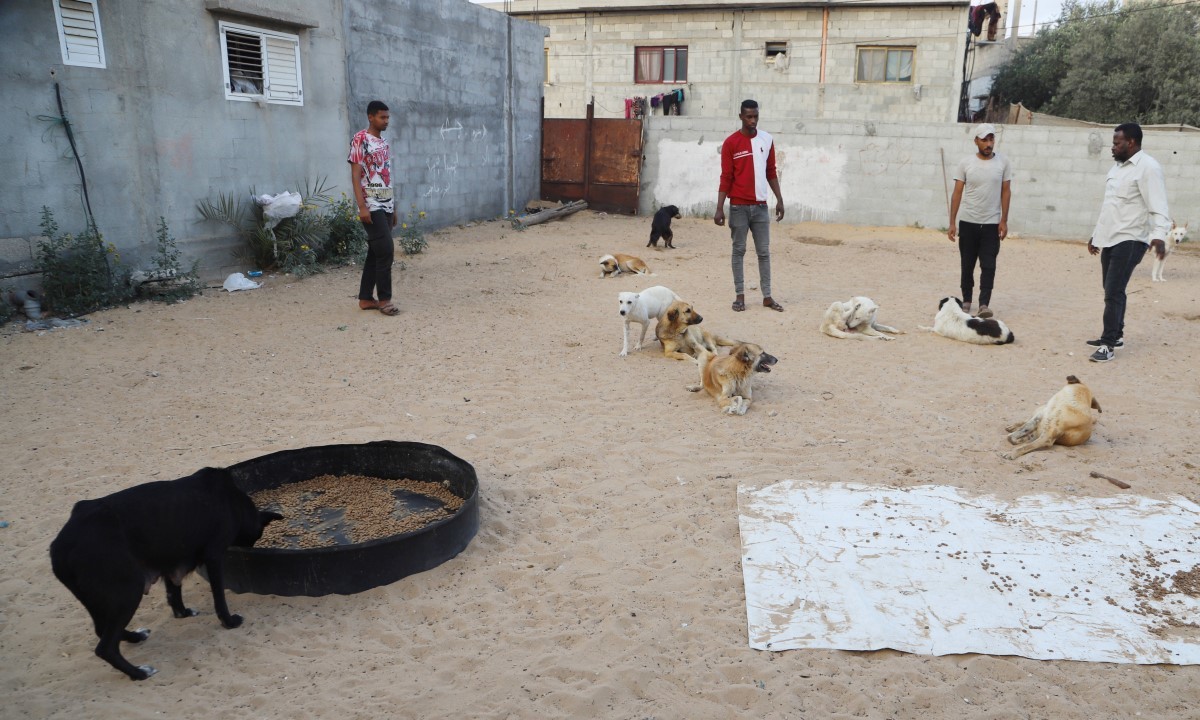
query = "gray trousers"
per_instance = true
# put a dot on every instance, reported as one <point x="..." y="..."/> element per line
<point x="755" y="219"/>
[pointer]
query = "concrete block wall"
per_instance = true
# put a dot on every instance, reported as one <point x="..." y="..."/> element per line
<point x="464" y="85"/>
<point x="893" y="174"/>
<point x="154" y="129"/>
<point x="592" y="55"/>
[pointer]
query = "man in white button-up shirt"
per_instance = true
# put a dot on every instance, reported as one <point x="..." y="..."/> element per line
<point x="1133" y="217"/>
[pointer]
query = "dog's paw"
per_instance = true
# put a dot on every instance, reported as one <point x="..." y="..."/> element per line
<point x="187" y="612"/>
<point x="623" y="353"/>
<point x="136" y="636"/>
<point x="1008" y="456"/>
<point x="234" y="621"/>
<point x="144" y="671"/>
<point x="886" y="337"/>
<point x="693" y="388"/>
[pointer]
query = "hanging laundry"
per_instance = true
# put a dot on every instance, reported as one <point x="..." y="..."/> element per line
<point x="989" y="12"/>
<point x="669" y="103"/>
<point x="656" y="100"/>
<point x="628" y="108"/>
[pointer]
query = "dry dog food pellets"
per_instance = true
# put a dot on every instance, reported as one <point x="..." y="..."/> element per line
<point x="330" y="510"/>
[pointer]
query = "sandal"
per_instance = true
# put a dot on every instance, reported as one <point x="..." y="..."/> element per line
<point x="368" y="305"/>
<point x="984" y="312"/>
<point x="769" y="303"/>
<point x="387" y="308"/>
<point x="738" y="306"/>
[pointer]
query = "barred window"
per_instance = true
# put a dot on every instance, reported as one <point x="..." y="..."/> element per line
<point x="261" y="64"/>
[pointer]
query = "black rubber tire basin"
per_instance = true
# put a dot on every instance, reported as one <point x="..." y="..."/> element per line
<point x="349" y="568"/>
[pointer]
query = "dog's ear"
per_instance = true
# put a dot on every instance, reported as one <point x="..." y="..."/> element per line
<point x="672" y="315"/>
<point x="1072" y="380"/>
<point x="267" y="517"/>
<point x="1096" y="405"/>
<point x="747" y="356"/>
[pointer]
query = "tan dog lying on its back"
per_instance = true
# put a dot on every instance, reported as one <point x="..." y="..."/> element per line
<point x="1066" y="420"/>
<point x="615" y="264"/>
<point x="728" y="377"/>
<point x="680" y="335"/>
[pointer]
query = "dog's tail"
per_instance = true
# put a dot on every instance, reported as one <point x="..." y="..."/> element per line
<point x="1009" y="338"/>
<point x="1096" y="405"/>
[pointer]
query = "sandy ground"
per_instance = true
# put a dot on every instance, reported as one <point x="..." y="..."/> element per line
<point x="605" y="579"/>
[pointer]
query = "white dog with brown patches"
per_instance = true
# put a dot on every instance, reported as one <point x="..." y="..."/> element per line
<point x="643" y="308"/>
<point x="614" y="265"/>
<point x="1176" y="236"/>
<point x="855" y="319"/>
<point x="1065" y="420"/>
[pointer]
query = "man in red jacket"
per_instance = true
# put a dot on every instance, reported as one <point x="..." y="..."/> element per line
<point x="747" y="170"/>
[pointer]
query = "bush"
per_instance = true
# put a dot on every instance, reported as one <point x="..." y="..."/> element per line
<point x="80" y="273"/>
<point x="412" y="237"/>
<point x="171" y="283"/>
<point x="347" y="241"/>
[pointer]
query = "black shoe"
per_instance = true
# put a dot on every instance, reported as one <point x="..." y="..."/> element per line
<point x="1097" y="343"/>
<point x="1102" y="354"/>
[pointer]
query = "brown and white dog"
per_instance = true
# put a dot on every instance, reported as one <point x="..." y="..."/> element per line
<point x="855" y="319"/>
<point x="727" y="377"/>
<point x="615" y="264"/>
<point x="1065" y="420"/>
<point x="681" y="337"/>
<point x="1176" y="236"/>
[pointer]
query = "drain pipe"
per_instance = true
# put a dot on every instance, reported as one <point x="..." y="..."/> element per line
<point x="824" y="39"/>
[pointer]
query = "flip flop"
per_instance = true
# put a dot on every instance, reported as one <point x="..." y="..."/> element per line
<point x="773" y="305"/>
<point x="738" y="306"/>
<point x="387" y="308"/>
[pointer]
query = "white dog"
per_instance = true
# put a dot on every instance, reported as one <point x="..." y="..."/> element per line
<point x="855" y="318"/>
<point x="1176" y="236"/>
<point x="953" y="322"/>
<point x="644" y="308"/>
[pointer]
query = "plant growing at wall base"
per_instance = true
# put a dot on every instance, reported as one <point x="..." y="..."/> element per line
<point x="347" y="241"/>
<point x="80" y="273"/>
<point x="293" y="245"/>
<point x="170" y="282"/>
<point x="412" y="237"/>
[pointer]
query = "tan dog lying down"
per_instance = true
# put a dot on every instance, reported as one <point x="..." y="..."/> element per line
<point x="1066" y="420"/>
<point x="615" y="264"/>
<point x="681" y="337"/>
<point x="728" y="377"/>
<point x="855" y="319"/>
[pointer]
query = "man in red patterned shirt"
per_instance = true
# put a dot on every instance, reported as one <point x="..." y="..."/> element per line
<point x="371" y="174"/>
<point x="747" y="170"/>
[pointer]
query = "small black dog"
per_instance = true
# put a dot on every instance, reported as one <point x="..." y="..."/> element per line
<point x="114" y="548"/>
<point x="660" y="227"/>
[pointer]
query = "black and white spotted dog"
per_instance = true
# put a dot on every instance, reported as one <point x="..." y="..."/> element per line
<point x="955" y="323"/>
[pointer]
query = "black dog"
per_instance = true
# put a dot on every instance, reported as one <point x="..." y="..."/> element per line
<point x="660" y="227"/>
<point x="114" y="548"/>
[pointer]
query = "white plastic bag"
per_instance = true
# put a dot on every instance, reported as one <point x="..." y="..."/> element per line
<point x="277" y="207"/>
<point x="238" y="281"/>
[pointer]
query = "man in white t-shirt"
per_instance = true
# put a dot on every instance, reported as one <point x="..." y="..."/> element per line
<point x="979" y="215"/>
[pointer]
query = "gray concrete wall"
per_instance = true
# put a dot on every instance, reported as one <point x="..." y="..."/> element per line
<point x="154" y="128"/>
<point x="157" y="134"/>
<point x="464" y="87"/>
<point x="892" y="174"/>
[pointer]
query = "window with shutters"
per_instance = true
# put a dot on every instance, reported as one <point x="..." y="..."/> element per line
<point x="79" y="32"/>
<point x="261" y="65"/>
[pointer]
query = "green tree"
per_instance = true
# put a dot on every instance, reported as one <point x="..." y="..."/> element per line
<point x="1103" y="63"/>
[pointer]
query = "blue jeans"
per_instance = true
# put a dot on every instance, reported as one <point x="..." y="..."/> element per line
<point x="381" y="253"/>
<point x="1116" y="267"/>
<point x="755" y="219"/>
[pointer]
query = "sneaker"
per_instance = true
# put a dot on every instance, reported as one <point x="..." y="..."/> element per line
<point x="1120" y="343"/>
<point x="1102" y="354"/>
<point x="984" y="312"/>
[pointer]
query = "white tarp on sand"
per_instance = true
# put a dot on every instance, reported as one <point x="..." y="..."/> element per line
<point x="935" y="571"/>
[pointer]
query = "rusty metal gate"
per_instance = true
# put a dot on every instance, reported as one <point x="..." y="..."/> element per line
<point x="595" y="159"/>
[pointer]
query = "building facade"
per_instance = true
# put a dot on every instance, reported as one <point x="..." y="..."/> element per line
<point x="883" y="60"/>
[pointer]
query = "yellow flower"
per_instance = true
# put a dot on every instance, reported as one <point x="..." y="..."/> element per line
<point x="404" y="226"/>
<point x="422" y="213"/>
<point x="303" y="247"/>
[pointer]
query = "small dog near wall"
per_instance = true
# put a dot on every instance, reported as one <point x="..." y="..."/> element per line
<point x="682" y="337"/>
<point x="728" y="377"/>
<point x="114" y="548"/>
<point x="1065" y="420"/>
<point x="1176" y="236"/>
<point x="855" y="319"/>
<point x="615" y="264"/>
<point x="643" y="308"/>
<point x="953" y="322"/>
<point x="660" y="226"/>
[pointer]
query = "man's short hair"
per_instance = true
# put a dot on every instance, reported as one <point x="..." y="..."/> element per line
<point x="1131" y="131"/>
<point x="749" y="105"/>
<point x="376" y="106"/>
